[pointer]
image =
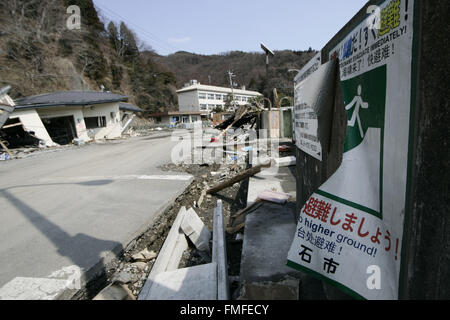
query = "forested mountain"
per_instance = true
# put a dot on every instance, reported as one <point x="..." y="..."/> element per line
<point x="39" y="54"/>
<point x="249" y="69"/>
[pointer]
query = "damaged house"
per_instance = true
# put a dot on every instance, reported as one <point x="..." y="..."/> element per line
<point x="61" y="117"/>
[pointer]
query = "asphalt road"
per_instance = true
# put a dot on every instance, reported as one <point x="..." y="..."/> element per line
<point x="73" y="207"/>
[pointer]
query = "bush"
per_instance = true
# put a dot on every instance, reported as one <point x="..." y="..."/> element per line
<point x="65" y="47"/>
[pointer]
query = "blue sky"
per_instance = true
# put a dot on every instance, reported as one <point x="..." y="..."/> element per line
<point x="213" y="26"/>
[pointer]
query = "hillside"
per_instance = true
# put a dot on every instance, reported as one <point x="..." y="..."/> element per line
<point x="39" y="54"/>
<point x="249" y="68"/>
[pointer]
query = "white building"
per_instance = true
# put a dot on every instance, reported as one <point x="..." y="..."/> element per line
<point x="198" y="97"/>
<point x="60" y="117"/>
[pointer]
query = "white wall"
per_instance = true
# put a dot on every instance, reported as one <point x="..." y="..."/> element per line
<point x="75" y="112"/>
<point x="188" y="101"/>
<point x="113" y="127"/>
<point x="32" y="122"/>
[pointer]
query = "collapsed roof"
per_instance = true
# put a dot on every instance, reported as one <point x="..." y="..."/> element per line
<point x="68" y="98"/>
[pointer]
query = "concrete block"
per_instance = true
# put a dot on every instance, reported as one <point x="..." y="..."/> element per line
<point x="286" y="161"/>
<point x="115" y="292"/>
<point x="177" y="253"/>
<point x="287" y="289"/>
<point x="269" y="231"/>
<point x="276" y="197"/>
<point x="282" y="181"/>
<point x="170" y="254"/>
<point x="193" y="283"/>
<point x="195" y="229"/>
<point x="220" y="253"/>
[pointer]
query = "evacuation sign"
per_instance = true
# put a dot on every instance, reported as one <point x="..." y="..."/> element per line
<point x="350" y="230"/>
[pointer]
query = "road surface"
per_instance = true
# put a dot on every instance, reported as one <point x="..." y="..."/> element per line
<point x="73" y="207"/>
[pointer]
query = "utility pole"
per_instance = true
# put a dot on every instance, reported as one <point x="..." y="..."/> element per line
<point x="269" y="53"/>
<point x="231" y="75"/>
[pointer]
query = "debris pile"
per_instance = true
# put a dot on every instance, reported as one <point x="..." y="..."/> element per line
<point x="205" y="176"/>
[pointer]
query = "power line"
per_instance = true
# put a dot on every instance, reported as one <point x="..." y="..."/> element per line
<point x="149" y="36"/>
<point x="153" y="38"/>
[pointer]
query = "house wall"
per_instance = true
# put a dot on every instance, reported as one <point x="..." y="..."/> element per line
<point x="32" y="122"/>
<point x="113" y="124"/>
<point x="75" y="112"/>
<point x="113" y="127"/>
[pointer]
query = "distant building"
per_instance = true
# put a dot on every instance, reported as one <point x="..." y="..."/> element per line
<point x="60" y="117"/>
<point x="197" y="97"/>
<point x="174" y="118"/>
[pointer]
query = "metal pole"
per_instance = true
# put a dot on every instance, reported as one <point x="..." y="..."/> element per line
<point x="267" y="75"/>
<point x="230" y="74"/>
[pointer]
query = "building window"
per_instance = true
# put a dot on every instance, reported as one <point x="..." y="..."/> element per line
<point x="202" y="95"/>
<point x="218" y="97"/>
<point x="95" y="122"/>
<point x="238" y="98"/>
<point x="203" y="106"/>
<point x="185" y="119"/>
<point x="194" y="118"/>
<point x="210" y="96"/>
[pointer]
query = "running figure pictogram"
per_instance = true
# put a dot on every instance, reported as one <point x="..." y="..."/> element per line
<point x="359" y="103"/>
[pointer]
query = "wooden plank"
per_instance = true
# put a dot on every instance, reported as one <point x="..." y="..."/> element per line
<point x="12" y="125"/>
<point x="5" y="148"/>
<point x="246" y="174"/>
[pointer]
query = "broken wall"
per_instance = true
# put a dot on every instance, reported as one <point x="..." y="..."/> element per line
<point x="32" y="122"/>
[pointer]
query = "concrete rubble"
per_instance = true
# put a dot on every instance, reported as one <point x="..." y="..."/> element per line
<point x="144" y="255"/>
<point x="204" y="282"/>
<point x="194" y="228"/>
<point x="187" y="265"/>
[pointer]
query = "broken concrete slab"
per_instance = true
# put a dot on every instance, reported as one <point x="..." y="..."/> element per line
<point x="273" y="196"/>
<point x="122" y="277"/>
<point x="144" y="255"/>
<point x="193" y="283"/>
<point x="139" y="266"/>
<point x="219" y="255"/>
<point x="268" y="232"/>
<point x="194" y="228"/>
<point x="177" y="253"/>
<point x="282" y="181"/>
<point x="115" y="292"/>
<point x="286" y="289"/>
<point x="286" y="161"/>
<point x="170" y="254"/>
